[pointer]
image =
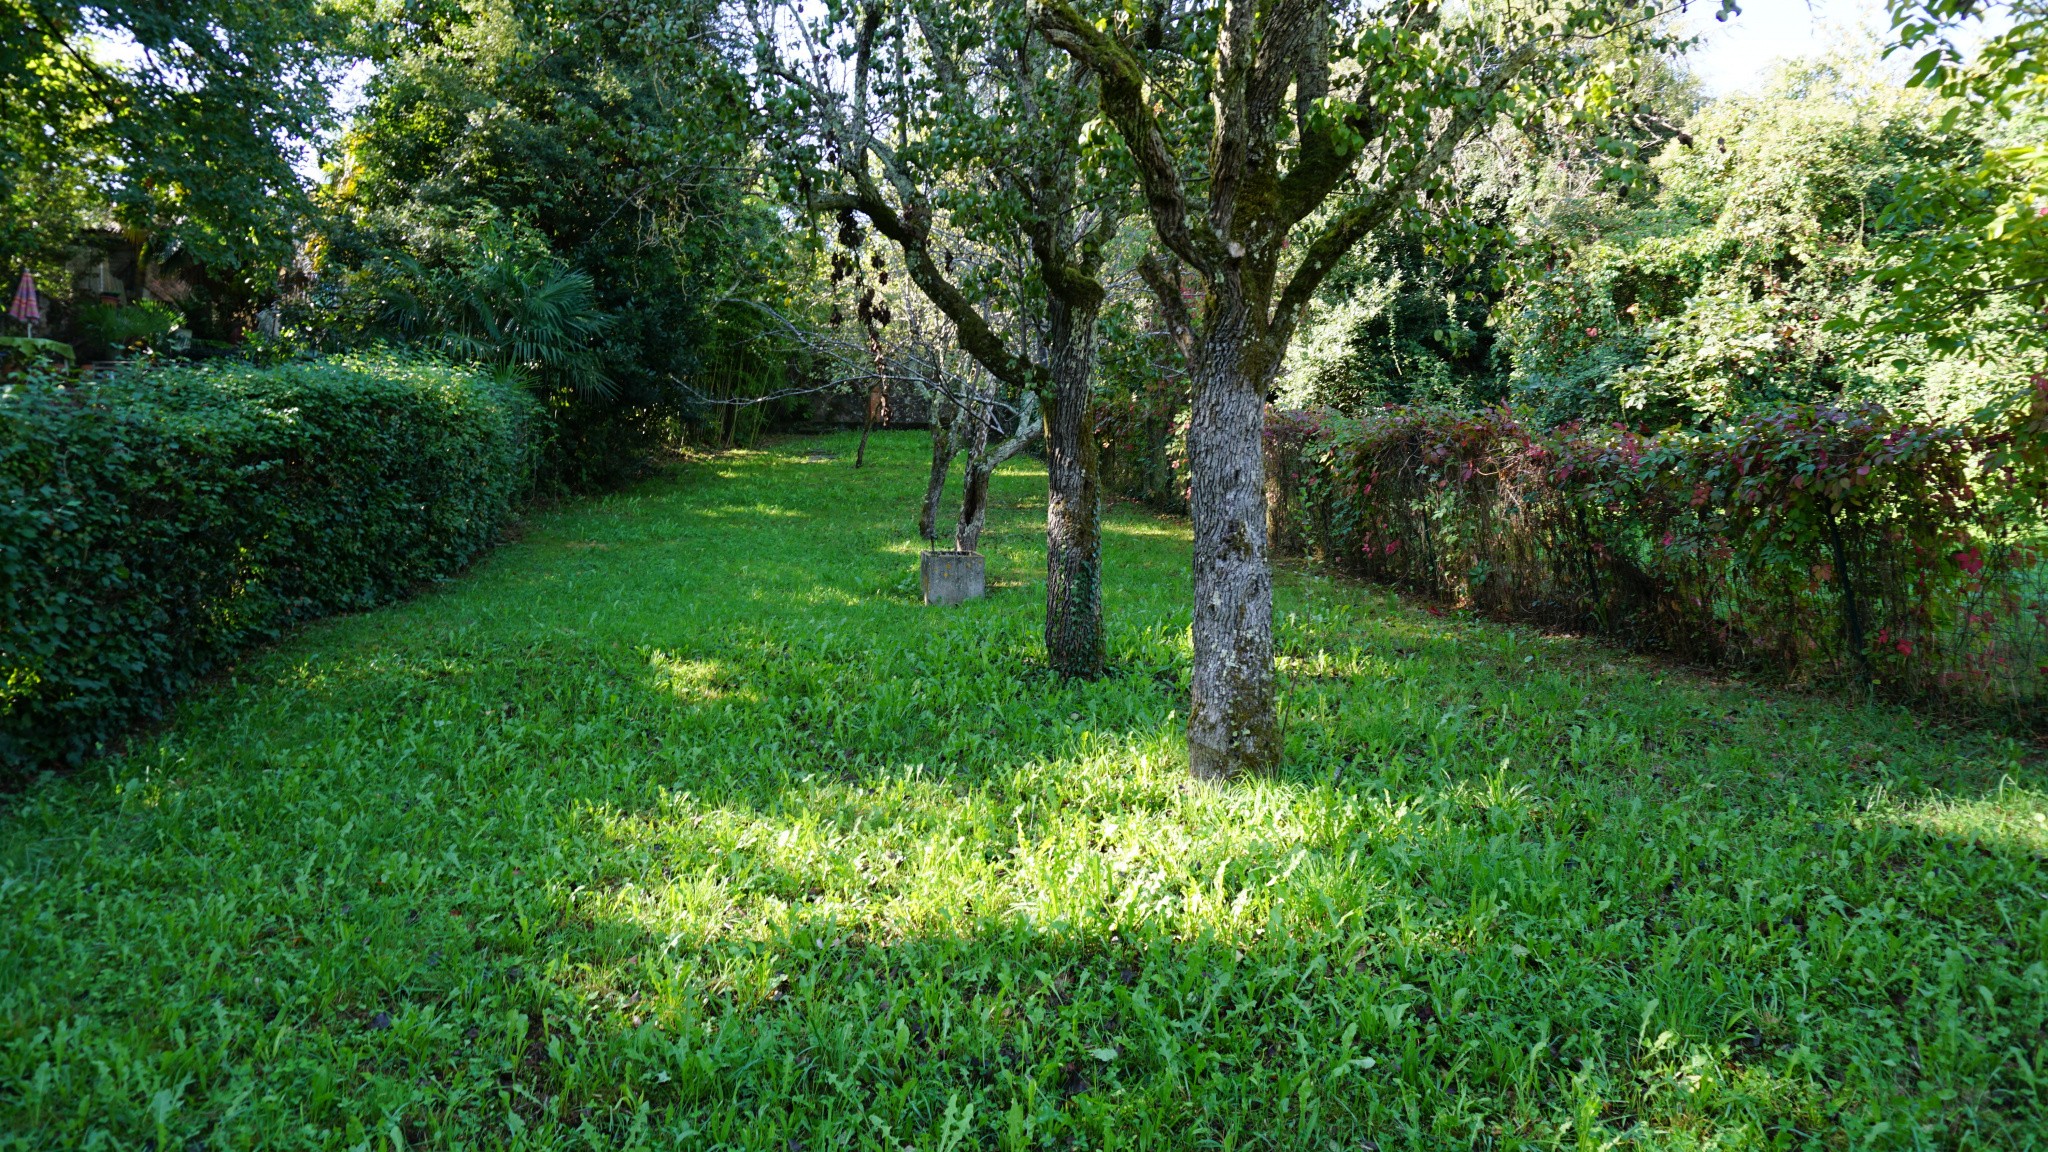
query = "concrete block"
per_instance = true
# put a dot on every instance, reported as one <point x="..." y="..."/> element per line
<point x="952" y="577"/>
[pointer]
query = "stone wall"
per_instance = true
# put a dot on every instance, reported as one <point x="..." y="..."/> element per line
<point x="847" y="408"/>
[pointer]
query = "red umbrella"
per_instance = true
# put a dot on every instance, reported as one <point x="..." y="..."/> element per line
<point x="26" y="309"/>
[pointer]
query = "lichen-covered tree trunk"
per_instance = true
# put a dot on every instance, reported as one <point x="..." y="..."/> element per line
<point x="1233" y="726"/>
<point x="1073" y="508"/>
<point x="943" y="450"/>
<point x="974" y="491"/>
<point x="1265" y="188"/>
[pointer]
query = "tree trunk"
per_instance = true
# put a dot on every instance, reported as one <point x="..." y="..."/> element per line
<point x="943" y="450"/>
<point x="974" y="492"/>
<point x="878" y="406"/>
<point x="973" y="507"/>
<point x="1263" y="55"/>
<point x="1233" y="726"/>
<point x="1158" y="484"/>
<point x="1852" y="614"/>
<point x="1074" y="644"/>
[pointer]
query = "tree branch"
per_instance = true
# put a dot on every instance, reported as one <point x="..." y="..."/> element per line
<point x="1165" y="285"/>
<point x="1121" y="79"/>
<point x="864" y="47"/>
<point x="910" y="229"/>
<point x="1357" y="222"/>
<point x="1029" y="426"/>
<point x="1230" y="140"/>
<point x="1288" y="44"/>
<point x="1320" y="163"/>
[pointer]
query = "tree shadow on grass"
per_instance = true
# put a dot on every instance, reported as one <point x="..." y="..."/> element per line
<point x="1421" y="980"/>
<point x="675" y="870"/>
<point x="706" y="899"/>
<point x="847" y="923"/>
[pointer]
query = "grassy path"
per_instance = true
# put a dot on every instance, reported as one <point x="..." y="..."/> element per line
<point x="680" y="823"/>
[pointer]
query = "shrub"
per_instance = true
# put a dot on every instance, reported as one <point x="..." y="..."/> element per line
<point x="111" y="329"/>
<point x="1810" y="539"/>
<point x="154" y="522"/>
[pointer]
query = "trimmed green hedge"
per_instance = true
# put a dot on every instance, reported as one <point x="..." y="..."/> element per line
<point x="154" y="522"/>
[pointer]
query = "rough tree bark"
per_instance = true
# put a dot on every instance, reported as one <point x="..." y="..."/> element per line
<point x="944" y="449"/>
<point x="982" y="462"/>
<point x="1067" y="249"/>
<point x="974" y="482"/>
<point x="1267" y="56"/>
<point x="1232" y="724"/>
<point x="1074" y="643"/>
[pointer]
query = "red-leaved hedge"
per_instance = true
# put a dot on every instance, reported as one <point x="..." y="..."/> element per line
<point x="1816" y="541"/>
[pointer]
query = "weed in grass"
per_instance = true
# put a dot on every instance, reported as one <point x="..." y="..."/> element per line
<point x="680" y="823"/>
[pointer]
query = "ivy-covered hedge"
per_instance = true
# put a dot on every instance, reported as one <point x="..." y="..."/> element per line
<point x="153" y="522"/>
<point x="1809" y="539"/>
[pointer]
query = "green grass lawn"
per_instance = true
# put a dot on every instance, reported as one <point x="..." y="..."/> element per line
<point x="680" y="823"/>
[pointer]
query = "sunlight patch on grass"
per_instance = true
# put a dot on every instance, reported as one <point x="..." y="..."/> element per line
<point x="687" y="679"/>
<point x="2012" y="819"/>
<point x="749" y="512"/>
<point x="1146" y="530"/>
<point x="722" y="841"/>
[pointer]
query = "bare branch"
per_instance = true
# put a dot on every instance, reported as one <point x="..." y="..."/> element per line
<point x="702" y="397"/>
<point x="1030" y="426"/>
<point x="863" y="52"/>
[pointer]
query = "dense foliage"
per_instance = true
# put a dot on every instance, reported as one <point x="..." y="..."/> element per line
<point x="187" y="137"/>
<point x="1791" y="245"/>
<point x="153" y="523"/>
<point x="556" y="188"/>
<point x="1967" y="267"/>
<point x="1725" y="291"/>
<point x="1809" y="539"/>
<point x="1400" y="324"/>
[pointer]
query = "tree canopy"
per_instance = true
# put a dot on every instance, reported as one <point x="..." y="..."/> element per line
<point x="180" y="120"/>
